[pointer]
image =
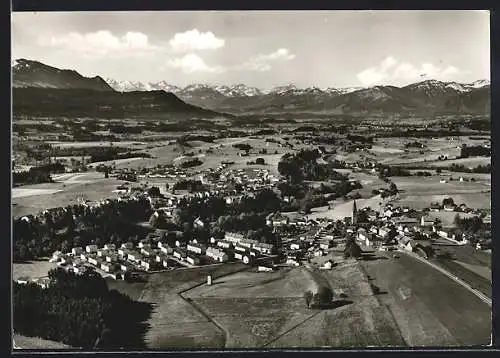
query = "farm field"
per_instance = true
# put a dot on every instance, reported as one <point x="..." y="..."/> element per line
<point x="88" y="186"/>
<point x="23" y="192"/>
<point x="130" y="144"/>
<point x="429" y="308"/>
<point x="174" y="322"/>
<point x="268" y="309"/>
<point x="23" y="342"/>
<point x="32" y="269"/>
<point x="341" y="210"/>
<point x="419" y="192"/>
<point x="467" y="162"/>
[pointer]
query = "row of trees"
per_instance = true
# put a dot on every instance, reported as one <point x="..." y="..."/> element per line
<point x="474" y="151"/>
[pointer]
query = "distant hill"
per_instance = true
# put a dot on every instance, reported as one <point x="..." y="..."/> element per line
<point x="43" y="90"/>
<point x="100" y="104"/>
<point x="27" y="73"/>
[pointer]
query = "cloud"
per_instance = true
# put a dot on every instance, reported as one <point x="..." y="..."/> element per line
<point x="392" y="71"/>
<point x="262" y="63"/>
<point x="193" y="63"/>
<point x="101" y="43"/>
<point x="193" y="40"/>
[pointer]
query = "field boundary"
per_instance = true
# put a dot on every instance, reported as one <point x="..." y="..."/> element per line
<point x="481" y="296"/>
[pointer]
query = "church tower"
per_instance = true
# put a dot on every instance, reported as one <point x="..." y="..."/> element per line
<point x="354" y="212"/>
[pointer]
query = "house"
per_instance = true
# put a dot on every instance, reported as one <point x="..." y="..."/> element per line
<point x="233" y="237"/>
<point x="147" y="264"/>
<point x="125" y="266"/>
<point x="426" y="221"/>
<point x="105" y="266"/>
<point x="180" y="253"/>
<point x="264" y="248"/>
<point x="91" y="248"/>
<point x="404" y="221"/>
<point x="245" y="257"/>
<point x="77" y="250"/>
<point x="147" y="251"/>
<point x="318" y="253"/>
<point x="224" y="244"/>
<point x="93" y="260"/>
<point x="101" y="252"/>
<point x="328" y="265"/>
<point x="217" y="254"/>
<point x="449" y="207"/>
<point x="406" y="243"/>
<point x="196" y="248"/>
<point x="247" y="243"/>
<point x="122" y="252"/>
<point x="265" y="269"/>
<point x="133" y="256"/>
<point x="111" y="257"/>
<point x="325" y="245"/>
<point x="294" y="246"/>
<point x="240" y="248"/>
<point x="292" y="262"/>
<point x="198" y="223"/>
<point x="110" y="246"/>
<point x="193" y="260"/>
<point x="144" y="245"/>
<point x="167" y="250"/>
<point x="435" y="207"/>
<point x="448" y="234"/>
<point x="79" y="270"/>
<point x="23" y="280"/>
<point x="127" y="245"/>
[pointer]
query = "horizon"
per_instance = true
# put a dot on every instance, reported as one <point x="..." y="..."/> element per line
<point x="262" y="49"/>
<point x="107" y="79"/>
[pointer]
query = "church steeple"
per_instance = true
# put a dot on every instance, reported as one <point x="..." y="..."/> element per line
<point x="354" y="212"/>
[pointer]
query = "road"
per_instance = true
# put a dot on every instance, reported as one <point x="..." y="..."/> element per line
<point x="483" y="297"/>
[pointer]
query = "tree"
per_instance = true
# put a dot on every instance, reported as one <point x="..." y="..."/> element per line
<point x="260" y="161"/>
<point x="322" y="297"/>
<point x="448" y="201"/>
<point x="308" y="296"/>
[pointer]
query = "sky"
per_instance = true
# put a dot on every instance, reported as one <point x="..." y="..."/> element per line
<point x="261" y="48"/>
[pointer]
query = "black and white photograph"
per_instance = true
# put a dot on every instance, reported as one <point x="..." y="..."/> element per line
<point x="234" y="180"/>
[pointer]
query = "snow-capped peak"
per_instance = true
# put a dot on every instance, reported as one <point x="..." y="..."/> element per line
<point x="280" y="90"/>
<point x="480" y="83"/>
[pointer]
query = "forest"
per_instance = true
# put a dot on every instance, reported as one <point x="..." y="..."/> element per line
<point x="80" y="311"/>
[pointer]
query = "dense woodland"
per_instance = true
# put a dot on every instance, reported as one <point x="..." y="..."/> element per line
<point x="304" y="166"/>
<point x="79" y="225"/>
<point x="79" y="311"/>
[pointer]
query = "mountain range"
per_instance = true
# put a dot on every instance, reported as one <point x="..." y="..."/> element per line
<point x="425" y="97"/>
<point x="43" y="90"/>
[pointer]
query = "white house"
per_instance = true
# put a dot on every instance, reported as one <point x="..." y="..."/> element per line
<point x="264" y="248"/>
<point x="127" y="245"/>
<point x="233" y="237"/>
<point x="193" y="260"/>
<point x="77" y="250"/>
<point x="110" y="246"/>
<point x="196" y="248"/>
<point x="91" y="248"/>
